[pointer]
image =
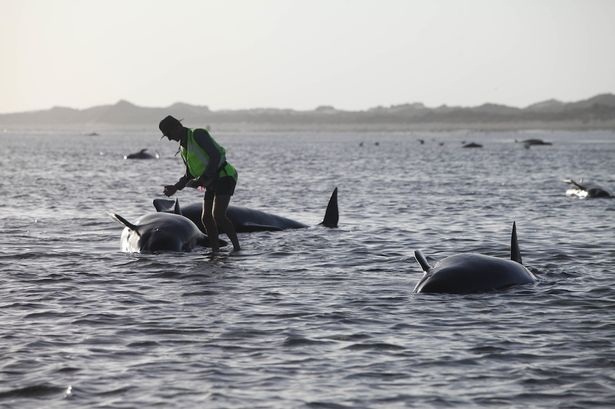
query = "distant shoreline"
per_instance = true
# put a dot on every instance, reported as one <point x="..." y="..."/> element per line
<point x="596" y="113"/>
<point x="99" y="129"/>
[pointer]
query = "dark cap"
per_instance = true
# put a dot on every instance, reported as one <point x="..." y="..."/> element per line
<point x="168" y="124"/>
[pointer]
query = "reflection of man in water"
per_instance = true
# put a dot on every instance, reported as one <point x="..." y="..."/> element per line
<point x="206" y="162"/>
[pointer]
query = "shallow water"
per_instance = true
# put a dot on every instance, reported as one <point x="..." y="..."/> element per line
<point x="310" y="318"/>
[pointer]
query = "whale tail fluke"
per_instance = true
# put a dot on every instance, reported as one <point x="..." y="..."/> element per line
<point x="422" y="260"/>
<point x="332" y="214"/>
<point x="515" y="253"/>
<point x="125" y="222"/>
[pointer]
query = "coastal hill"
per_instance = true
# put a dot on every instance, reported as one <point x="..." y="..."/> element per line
<point x="597" y="112"/>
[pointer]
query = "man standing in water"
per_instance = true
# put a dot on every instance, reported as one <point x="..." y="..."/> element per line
<point x="206" y="162"/>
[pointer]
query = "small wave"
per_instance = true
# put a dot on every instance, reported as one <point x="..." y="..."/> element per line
<point x="351" y="337"/>
<point x="44" y="314"/>
<point x="297" y="340"/>
<point x="141" y="344"/>
<point x="117" y="391"/>
<point x="378" y="375"/>
<point x="327" y="405"/>
<point x="378" y="346"/>
<point x="200" y="293"/>
<point x="68" y="369"/>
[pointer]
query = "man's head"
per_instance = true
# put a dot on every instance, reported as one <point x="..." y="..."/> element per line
<point x="170" y="128"/>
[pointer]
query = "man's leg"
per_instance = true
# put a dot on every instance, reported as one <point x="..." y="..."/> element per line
<point x="226" y="225"/>
<point x="209" y="222"/>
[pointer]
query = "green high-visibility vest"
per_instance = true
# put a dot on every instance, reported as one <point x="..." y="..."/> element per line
<point x="197" y="159"/>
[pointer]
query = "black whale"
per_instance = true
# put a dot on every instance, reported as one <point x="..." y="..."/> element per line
<point x="142" y="154"/>
<point x="156" y="232"/>
<point x="587" y="190"/>
<point x="248" y="220"/>
<point x="473" y="273"/>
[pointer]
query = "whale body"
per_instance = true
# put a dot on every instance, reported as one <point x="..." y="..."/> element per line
<point x="157" y="232"/>
<point x="142" y="154"/>
<point x="248" y="220"/>
<point x="527" y="143"/>
<point x="473" y="273"/>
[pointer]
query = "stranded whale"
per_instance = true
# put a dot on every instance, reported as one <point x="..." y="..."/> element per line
<point x="527" y="143"/>
<point x="142" y="154"/>
<point x="586" y="190"/>
<point x="473" y="273"/>
<point x="248" y="220"/>
<point x="157" y="232"/>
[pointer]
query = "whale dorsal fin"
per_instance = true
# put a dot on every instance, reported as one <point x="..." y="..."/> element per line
<point x="332" y="213"/>
<point x="515" y="253"/>
<point x="143" y="150"/>
<point x="167" y="206"/>
<point x="420" y="258"/>
<point x="125" y="222"/>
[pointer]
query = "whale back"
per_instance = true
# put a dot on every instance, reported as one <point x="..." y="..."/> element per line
<point x="473" y="273"/>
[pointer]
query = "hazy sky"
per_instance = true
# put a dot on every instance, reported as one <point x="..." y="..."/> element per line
<point x="352" y="54"/>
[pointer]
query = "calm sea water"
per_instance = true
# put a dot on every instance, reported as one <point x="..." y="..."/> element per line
<point x="310" y="318"/>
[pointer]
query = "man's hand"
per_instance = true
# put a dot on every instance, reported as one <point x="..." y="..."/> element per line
<point x="169" y="190"/>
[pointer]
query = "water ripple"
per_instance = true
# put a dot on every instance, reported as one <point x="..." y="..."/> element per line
<point x="314" y="318"/>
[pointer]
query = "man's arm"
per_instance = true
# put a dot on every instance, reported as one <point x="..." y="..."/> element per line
<point x="170" y="190"/>
<point x="181" y="183"/>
